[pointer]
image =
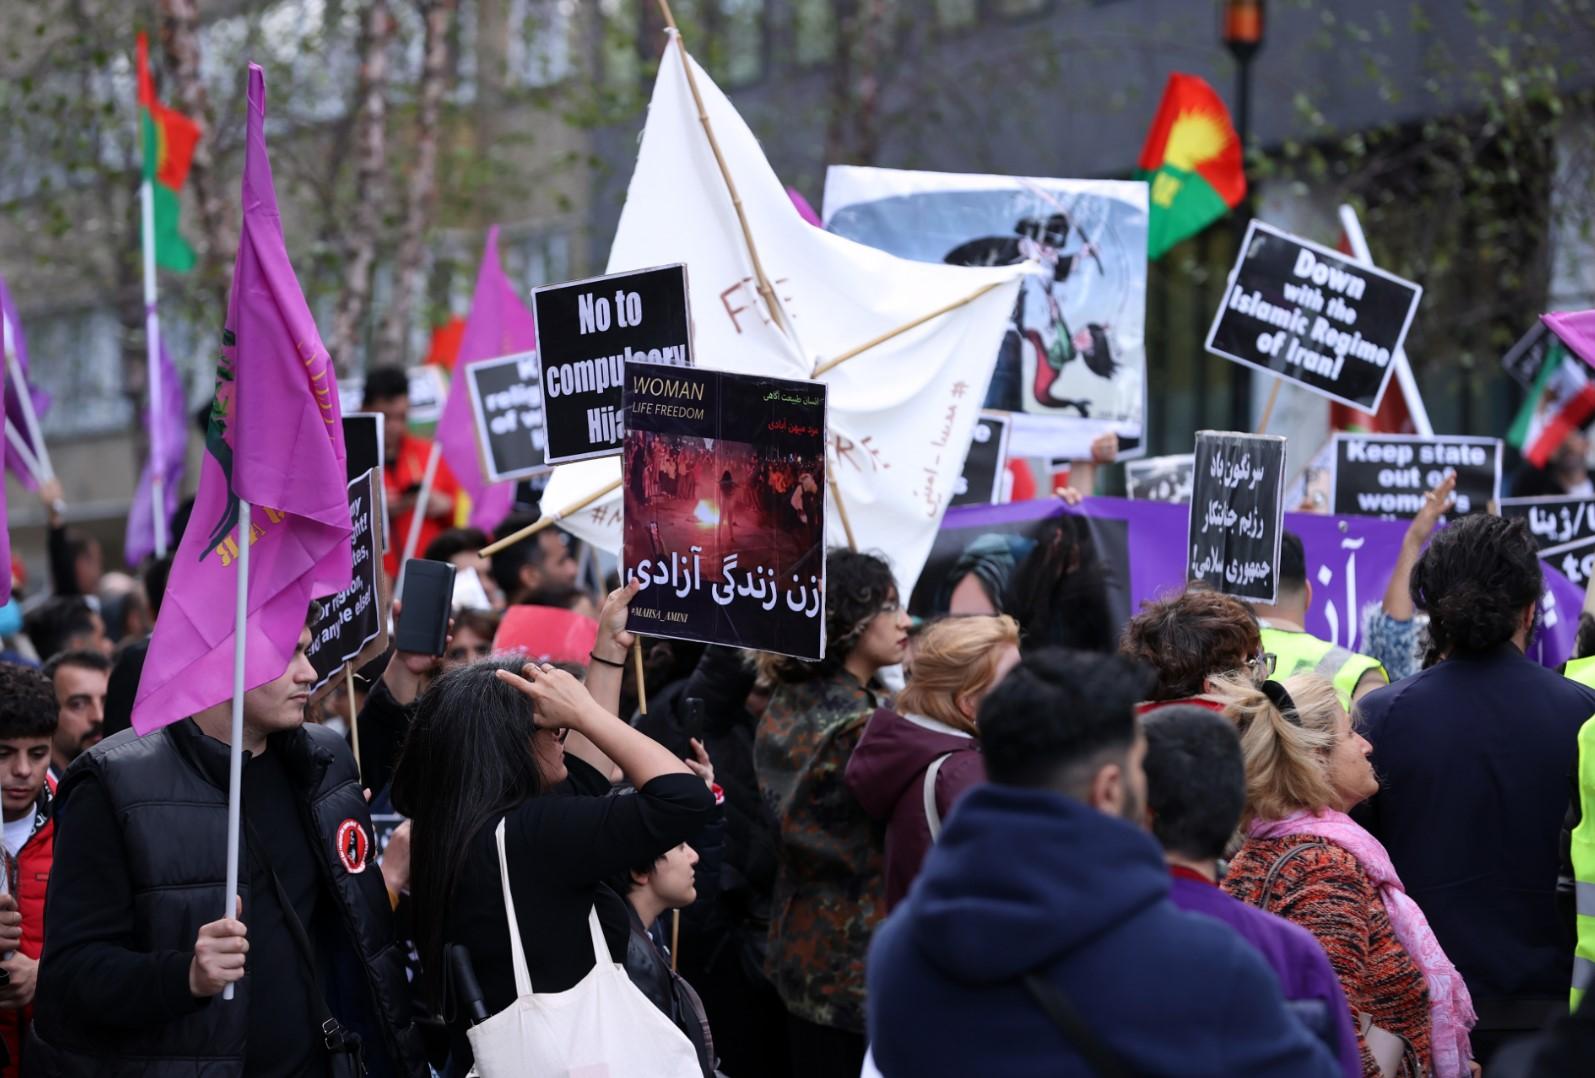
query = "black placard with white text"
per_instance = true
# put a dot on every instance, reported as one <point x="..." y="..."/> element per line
<point x="587" y="331"/>
<point x="1314" y="316"/>
<point x="1387" y="475"/>
<point x="1237" y="513"/>
<point x="1563" y="530"/>
<point x="363" y="448"/>
<point x="351" y="624"/>
<point x="981" y="481"/>
<point x="1525" y="358"/>
<point x="507" y="407"/>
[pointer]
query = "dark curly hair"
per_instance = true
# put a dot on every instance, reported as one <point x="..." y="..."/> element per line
<point x="1190" y="636"/>
<point x="857" y="587"/>
<point x="27" y="703"/>
<point x="1059" y="594"/>
<point x="1476" y="578"/>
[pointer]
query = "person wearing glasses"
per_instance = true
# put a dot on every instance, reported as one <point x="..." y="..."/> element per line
<point x="829" y="888"/>
<point x="1192" y="637"/>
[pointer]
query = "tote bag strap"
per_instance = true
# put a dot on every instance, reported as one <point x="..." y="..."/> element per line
<point x="932" y="815"/>
<point x="523" y="977"/>
<point x="601" y="955"/>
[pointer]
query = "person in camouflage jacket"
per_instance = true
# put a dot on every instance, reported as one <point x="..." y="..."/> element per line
<point x="829" y="890"/>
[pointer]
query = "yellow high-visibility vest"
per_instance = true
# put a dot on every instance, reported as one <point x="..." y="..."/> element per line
<point x="1583" y="853"/>
<point x="1298" y="652"/>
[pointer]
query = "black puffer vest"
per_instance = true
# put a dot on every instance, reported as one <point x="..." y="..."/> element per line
<point x="168" y="790"/>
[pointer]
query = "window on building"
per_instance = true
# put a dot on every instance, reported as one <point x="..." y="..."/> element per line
<point x="77" y="359"/>
<point x="534" y="259"/>
<point x="814" y="31"/>
<point x="538" y="49"/>
<point x="622" y="59"/>
<point x="740" y="41"/>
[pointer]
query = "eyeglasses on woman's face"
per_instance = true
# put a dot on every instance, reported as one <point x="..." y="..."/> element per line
<point x="1261" y="666"/>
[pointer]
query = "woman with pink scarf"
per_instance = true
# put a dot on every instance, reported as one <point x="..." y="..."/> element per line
<point x="1304" y="859"/>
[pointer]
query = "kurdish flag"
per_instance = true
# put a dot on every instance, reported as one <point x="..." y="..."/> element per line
<point x="1192" y="159"/>
<point x="168" y="139"/>
<point x="1562" y="398"/>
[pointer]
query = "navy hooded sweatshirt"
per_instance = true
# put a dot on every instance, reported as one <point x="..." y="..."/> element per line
<point x="1029" y="881"/>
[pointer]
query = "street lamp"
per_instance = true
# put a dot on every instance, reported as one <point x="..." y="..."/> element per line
<point x="1243" y="36"/>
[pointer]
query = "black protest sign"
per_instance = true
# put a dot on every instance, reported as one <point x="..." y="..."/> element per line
<point x="587" y="332"/>
<point x="981" y="481"/>
<point x="1563" y="530"/>
<point x="351" y="626"/>
<point x="362" y="443"/>
<point x="1160" y="479"/>
<point x="1237" y="513"/>
<point x="1387" y="475"/>
<point x="1525" y="358"/>
<point x="507" y="404"/>
<point x="724" y="508"/>
<point x="1314" y="316"/>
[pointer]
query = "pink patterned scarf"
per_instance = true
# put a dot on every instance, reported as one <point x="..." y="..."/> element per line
<point x="1450" y="1007"/>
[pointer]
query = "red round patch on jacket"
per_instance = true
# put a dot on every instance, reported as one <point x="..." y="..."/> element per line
<point x="353" y="845"/>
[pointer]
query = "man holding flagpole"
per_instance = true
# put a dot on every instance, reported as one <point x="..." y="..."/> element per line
<point x="216" y="906"/>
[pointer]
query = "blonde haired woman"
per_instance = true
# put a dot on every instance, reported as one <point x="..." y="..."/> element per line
<point x="1306" y="860"/>
<point x="914" y="762"/>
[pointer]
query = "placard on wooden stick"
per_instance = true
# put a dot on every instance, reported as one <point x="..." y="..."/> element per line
<point x="1237" y="513"/>
<point x="352" y="626"/>
<point x="507" y="406"/>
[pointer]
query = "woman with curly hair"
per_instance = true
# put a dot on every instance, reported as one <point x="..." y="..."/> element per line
<point x="828" y="890"/>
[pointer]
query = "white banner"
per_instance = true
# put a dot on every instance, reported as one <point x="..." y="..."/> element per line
<point x="901" y="414"/>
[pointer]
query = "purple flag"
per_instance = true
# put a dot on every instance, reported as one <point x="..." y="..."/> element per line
<point x="499" y="325"/>
<point x="5" y="545"/>
<point x="13" y="403"/>
<point x="167" y="422"/>
<point x="805" y="210"/>
<point x="276" y="441"/>
<point x="1576" y="330"/>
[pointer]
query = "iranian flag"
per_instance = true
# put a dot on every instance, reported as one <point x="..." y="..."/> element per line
<point x="1562" y="398"/>
<point x="168" y="140"/>
<point x="1192" y="159"/>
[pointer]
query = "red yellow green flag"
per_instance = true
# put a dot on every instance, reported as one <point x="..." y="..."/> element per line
<point x="1192" y="159"/>
<point x="168" y="139"/>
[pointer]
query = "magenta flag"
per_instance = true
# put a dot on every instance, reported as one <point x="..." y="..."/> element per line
<point x="1576" y="330"/>
<point x="167" y="422"/>
<point x="499" y="325"/>
<point x="13" y="403"/>
<point x="805" y="210"/>
<point x="275" y="441"/>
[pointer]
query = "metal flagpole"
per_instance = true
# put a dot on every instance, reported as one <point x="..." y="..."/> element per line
<point x="235" y="749"/>
<point x="152" y="348"/>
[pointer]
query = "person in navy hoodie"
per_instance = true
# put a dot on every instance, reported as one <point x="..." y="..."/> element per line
<point x="1039" y="938"/>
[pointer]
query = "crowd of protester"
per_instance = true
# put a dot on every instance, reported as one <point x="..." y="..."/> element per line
<point x="1013" y="840"/>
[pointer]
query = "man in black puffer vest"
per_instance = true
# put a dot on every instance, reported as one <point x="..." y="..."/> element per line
<point x="137" y="955"/>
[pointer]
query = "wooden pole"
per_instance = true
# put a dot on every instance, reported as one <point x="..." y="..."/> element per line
<point x="841" y="511"/>
<point x="837" y="361"/>
<point x="636" y="665"/>
<point x="1268" y="408"/>
<point x="354" y="719"/>
<point x="549" y="521"/>
<point x="675" y="937"/>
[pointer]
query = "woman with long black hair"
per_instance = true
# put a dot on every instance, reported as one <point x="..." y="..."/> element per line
<point x="530" y="745"/>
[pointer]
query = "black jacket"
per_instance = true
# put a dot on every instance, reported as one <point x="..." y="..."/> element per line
<point x="117" y="1003"/>
<point x="648" y="966"/>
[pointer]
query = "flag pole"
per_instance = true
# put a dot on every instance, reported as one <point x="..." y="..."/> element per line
<point x="1404" y="376"/>
<point x="235" y="748"/>
<point x="152" y="383"/>
<point x="837" y="361"/>
<point x="548" y="521"/>
<point x="417" y="515"/>
<point x="354" y="722"/>
<point x="30" y="418"/>
<point x="18" y="443"/>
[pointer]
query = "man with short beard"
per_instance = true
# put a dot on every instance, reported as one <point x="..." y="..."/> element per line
<point x="1039" y="938"/>
<point x="81" y="679"/>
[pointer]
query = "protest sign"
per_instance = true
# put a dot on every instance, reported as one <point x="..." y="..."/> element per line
<point x="1314" y="316"/>
<point x="1563" y="530"/>
<point x="1388" y="474"/>
<point x="428" y="389"/>
<point x="507" y="403"/>
<point x="587" y="331"/>
<point x="351" y="626"/>
<point x="724" y="511"/>
<point x="981" y="481"/>
<point x="1072" y="364"/>
<point x="1525" y="358"/>
<point x="350" y="394"/>
<point x="1160" y="479"/>
<point x="1237" y="505"/>
<point x="362" y="443"/>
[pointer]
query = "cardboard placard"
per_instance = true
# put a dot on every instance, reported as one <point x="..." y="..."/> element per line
<point x="1237" y="513"/>
<point x="1161" y="479"/>
<point x="1313" y="316"/>
<point x="981" y="481"/>
<point x="1387" y="475"/>
<point x="1563" y="529"/>
<point x="1525" y="358"/>
<point x="724" y="508"/>
<point x="351" y="626"/>
<point x="428" y="390"/>
<point x="587" y="331"/>
<point x="507" y="405"/>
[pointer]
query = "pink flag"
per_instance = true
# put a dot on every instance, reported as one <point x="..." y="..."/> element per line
<point x="499" y="325"/>
<point x="805" y="210"/>
<point x="276" y="441"/>
<point x="1576" y="330"/>
<point x="13" y="403"/>
<point x="167" y="421"/>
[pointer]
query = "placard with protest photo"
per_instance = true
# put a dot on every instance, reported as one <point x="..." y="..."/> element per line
<point x="507" y="406"/>
<point x="724" y="508"/>
<point x="352" y="626"/>
<point x="1160" y="479"/>
<point x="1237" y="513"/>
<point x="1315" y="316"/>
<point x="981" y="482"/>
<point x="587" y="331"/>
<point x="1563" y="530"/>
<point x="1387" y="475"/>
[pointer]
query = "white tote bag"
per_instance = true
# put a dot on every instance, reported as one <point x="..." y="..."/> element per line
<point x="604" y="1027"/>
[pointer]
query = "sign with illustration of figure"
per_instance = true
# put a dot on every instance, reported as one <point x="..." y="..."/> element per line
<point x="587" y="331"/>
<point x="1072" y="365"/>
<point x="1387" y="475"/>
<point x="1160" y="479"/>
<point x="1237" y="509"/>
<point x="724" y="508"/>
<point x="351" y="626"/>
<point x="1315" y="316"/>
<point x="507" y="405"/>
<point x="986" y="465"/>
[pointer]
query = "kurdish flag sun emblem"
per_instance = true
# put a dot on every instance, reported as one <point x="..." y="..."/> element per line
<point x="1192" y="159"/>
